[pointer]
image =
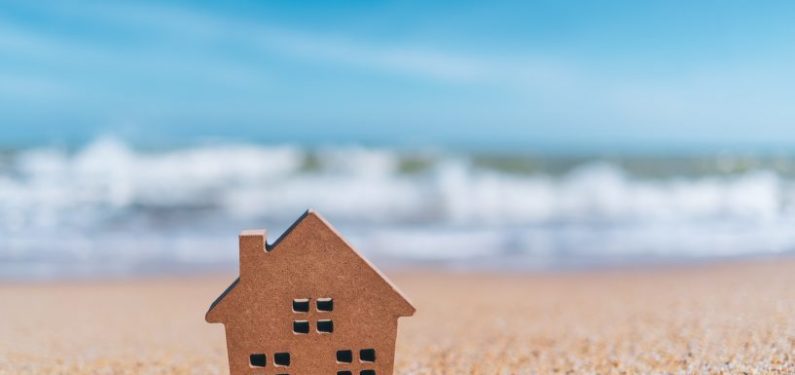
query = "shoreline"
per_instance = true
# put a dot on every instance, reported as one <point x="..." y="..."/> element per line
<point x="409" y="268"/>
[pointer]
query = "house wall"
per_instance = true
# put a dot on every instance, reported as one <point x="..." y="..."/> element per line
<point x="313" y="353"/>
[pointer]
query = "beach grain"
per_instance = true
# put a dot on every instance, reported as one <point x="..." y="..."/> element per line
<point x="715" y="319"/>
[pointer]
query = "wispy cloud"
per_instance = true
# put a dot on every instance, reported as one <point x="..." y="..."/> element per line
<point x="191" y="27"/>
<point x="33" y="88"/>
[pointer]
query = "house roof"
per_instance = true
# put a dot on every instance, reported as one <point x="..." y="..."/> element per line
<point x="406" y="309"/>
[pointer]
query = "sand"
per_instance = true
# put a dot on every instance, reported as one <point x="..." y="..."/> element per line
<point x="727" y="318"/>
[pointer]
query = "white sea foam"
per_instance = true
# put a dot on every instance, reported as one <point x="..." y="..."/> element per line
<point x="109" y="207"/>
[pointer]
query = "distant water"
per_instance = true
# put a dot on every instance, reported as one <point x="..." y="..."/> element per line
<point x="110" y="209"/>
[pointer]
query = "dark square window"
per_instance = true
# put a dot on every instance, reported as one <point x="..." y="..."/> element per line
<point x="367" y="372"/>
<point x="325" y="304"/>
<point x="344" y="373"/>
<point x="281" y="359"/>
<point x="258" y="360"/>
<point x="367" y="355"/>
<point x="344" y="356"/>
<point x="325" y="326"/>
<point x="301" y="327"/>
<point x="301" y="305"/>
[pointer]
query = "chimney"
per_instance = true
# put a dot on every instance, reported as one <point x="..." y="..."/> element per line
<point x="252" y="247"/>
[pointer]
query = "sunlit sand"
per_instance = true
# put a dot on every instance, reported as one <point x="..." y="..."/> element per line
<point x="725" y="318"/>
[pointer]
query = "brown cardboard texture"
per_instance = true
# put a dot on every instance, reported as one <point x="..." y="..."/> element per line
<point x="308" y="304"/>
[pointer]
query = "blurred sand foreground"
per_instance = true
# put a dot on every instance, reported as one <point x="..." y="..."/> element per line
<point x="729" y="318"/>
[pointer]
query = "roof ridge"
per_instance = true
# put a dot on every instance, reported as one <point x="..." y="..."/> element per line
<point x="286" y="233"/>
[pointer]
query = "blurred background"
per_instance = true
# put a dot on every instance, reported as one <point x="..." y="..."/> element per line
<point x="138" y="138"/>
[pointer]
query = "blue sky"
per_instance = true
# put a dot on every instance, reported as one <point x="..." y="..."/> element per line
<point x="570" y="74"/>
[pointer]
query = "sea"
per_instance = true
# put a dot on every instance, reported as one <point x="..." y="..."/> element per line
<point x="108" y="208"/>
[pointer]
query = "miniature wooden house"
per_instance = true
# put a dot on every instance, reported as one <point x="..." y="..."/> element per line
<point x="308" y="304"/>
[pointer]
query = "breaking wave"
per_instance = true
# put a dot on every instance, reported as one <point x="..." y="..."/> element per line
<point x="109" y="208"/>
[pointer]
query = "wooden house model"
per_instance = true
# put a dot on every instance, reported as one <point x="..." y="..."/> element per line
<point x="308" y="304"/>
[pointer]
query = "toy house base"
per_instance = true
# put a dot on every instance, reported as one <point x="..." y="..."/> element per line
<point x="308" y="304"/>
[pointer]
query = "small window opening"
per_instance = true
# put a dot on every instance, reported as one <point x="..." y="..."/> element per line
<point x="325" y="326"/>
<point x="344" y="356"/>
<point x="258" y="360"/>
<point x="281" y="359"/>
<point x="301" y="305"/>
<point x="344" y="373"/>
<point x="301" y="327"/>
<point x="367" y="355"/>
<point x="367" y="372"/>
<point x="325" y="304"/>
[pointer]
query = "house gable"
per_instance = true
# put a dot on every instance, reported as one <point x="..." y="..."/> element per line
<point x="310" y="248"/>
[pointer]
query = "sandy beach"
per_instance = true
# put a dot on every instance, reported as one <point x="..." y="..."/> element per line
<point x="721" y="318"/>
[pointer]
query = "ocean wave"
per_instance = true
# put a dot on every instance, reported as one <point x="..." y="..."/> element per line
<point x="109" y="200"/>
